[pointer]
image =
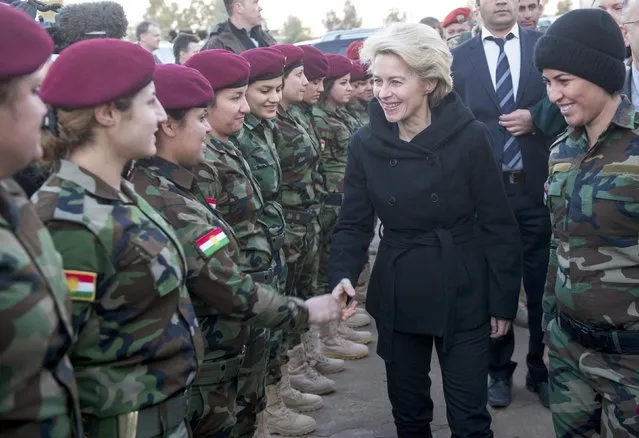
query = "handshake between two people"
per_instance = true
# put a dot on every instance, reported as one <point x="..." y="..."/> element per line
<point x="334" y="306"/>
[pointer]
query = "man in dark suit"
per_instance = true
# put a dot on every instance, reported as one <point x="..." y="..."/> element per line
<point x="495" y="76"/>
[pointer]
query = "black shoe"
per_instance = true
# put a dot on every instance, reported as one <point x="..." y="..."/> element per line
<point x="539" y="388"/>
<point x="500" y="392"/>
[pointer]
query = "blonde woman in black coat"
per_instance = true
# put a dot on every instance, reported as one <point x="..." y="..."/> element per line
<point x="449" y="266"/>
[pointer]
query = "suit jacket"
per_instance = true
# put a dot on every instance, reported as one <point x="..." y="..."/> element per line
<point x="472" y="81"/>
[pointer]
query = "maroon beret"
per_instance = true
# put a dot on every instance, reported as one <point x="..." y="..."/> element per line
<point x="459" y="15"/>
<point x="359" y="71"/>
<point x="266" y="63"/>
<point x="223" y="69"/>
<point x="294" y="55"/>
<point x="94" y="72"/>
<point x="25" y="44"/>
<point x="352" y="52"/>
<point x="315" y="63"/>
<point x="338" y="66"/>
<point x="179" y="87"/>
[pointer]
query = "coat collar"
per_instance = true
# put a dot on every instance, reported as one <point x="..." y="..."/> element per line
<point x="97" y="187"/>
<point x="179" y="175"/>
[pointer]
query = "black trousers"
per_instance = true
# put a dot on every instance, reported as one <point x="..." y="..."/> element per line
<point x="464" y="371"/>
<point x="534" y="226"/>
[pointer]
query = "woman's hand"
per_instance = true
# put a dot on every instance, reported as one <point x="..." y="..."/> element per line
<point x="342" y="292"/>
<point x="546" y="359"/>
<point x="498" y="327"/>
<point x="323" y="309"/>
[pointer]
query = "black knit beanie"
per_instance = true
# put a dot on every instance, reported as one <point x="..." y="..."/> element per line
<point x="586" y="43"/>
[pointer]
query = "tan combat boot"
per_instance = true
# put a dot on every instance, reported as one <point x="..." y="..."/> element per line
<point x="296" y="400"/>
<point x="281" y="420"/>
<point x="303" y="376"/>
<point x="360" y="337"/>
<point x="360" y="319"/>
<point x="261" y="431"/>
<point x="321" y="363"/>
<point x="333" y="345"/>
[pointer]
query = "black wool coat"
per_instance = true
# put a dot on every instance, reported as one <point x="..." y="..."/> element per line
<point x="450" y="252"/>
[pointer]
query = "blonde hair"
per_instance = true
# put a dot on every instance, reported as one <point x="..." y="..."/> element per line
<point x="421" y="47"/>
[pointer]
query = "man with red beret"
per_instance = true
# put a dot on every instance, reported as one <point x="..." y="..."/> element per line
<point x="242" y="31"/>
<point x="225" y="177"/>
<point x="456" y="22"/>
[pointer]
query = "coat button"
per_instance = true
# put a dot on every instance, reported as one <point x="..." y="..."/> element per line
<point x="392" y="201"/>
<point x="434" y="198"/>
<point x="393" y="162"/>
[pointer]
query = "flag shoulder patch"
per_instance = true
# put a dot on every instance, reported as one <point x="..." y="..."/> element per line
<point x="82" y="285"/>
<point x="212" y="242"/>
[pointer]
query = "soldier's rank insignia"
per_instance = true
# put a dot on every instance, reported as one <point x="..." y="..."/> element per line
<point x="82" y="285"/>
<point x="212" y="242"/>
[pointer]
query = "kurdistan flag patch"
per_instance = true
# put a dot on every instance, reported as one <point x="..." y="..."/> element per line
<point x="212" y="202"/>
<point x="81" y="284"/>
<point x="212" y="242"/>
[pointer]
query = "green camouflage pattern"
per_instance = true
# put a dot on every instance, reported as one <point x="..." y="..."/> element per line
<point x="303" y="114"/>
<point x="226" y="177"/>
<point x="38" y="395"/>
<point x="138" y="341"/>
<point x="358" y="110"/>
<point x="334" y="130"/>
<point x="591" y="394"/>
<point x="221" y="291"/>
<point x="459" y="39"/>
<point x="593" y="275"/>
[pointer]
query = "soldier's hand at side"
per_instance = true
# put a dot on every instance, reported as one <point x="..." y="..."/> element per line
<point x="323" y="309"/>
<point x="343" y="291"/>
<point x="498" y="327"/>
<point x="519" y="122"/>
<point x="546" y="359"/>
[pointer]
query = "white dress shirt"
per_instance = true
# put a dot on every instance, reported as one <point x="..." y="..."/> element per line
<point x="634" y="90"/>
<point x="513" y="53"/>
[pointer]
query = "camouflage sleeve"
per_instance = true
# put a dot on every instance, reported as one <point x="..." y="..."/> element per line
<point x="547" y="118"/>
<point x="548" y="303"/>
<point x="208" y="182"/>
<point x="218" y="280"/>
<point x="82" y="254"/>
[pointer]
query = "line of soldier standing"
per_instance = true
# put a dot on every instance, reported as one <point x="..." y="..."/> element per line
<point x="161" y="299"/>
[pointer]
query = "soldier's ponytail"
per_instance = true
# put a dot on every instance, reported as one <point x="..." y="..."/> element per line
<point x="73" y="129"/>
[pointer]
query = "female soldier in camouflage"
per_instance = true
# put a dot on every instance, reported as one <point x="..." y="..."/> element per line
<point x="38" y="397"/>
<point x="227" y="298"/>
<point x="362" y="83"/>
<point x="299" y="161"/>
<point x="138" y="342"/>
<point x="590" y="301"/>
<point x="334" y="128"/>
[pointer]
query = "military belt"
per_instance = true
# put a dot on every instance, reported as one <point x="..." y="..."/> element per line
<point x="603" y="341"/>
<point x="154" y="421"/>
<point x="213" y="372"/>
<point x="334" y="199"/>
<point x="302" y="217"/>
<point x="265" y="276"/>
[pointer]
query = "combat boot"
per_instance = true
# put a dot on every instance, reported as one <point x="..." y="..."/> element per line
<point x="296" y="400"/>
<point x="303" y="376"/>
<point x="321" y="363"/>
<point x="360" y="319"/>
<point x="350" y="334"/>
<point x="333" y="345"/>
<point x="261" y="431"/>
<point x="283" y="421"/>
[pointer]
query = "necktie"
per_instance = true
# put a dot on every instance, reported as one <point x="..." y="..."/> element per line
<point x="506" y="99"/>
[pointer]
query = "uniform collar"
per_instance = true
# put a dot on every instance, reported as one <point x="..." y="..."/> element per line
<point x="91" y="183"/>
<point x="251" y="122"/>
<point x="626" y="115"/>
<point x="179" y="175"/>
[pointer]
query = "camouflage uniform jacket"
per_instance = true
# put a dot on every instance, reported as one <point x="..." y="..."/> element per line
<point x="37" y="382"/>
<point x="299" y="158"/>
<point x="593" y="195"/>
<point x="257" y="144"/>
<point x="303" y="114"/>
<point x="359" y="112"/>
<point x="334" y="129"/>
<point x="138" y="338"/>
<point x="226" y="177"/>
<point x="225" y="294"/>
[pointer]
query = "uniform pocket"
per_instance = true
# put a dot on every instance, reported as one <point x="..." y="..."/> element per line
<point x="615" y="205"/>
<point x="161" y="263"/>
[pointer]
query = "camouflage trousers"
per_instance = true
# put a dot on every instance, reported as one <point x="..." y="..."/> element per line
<point x="112" y="428"/>
<point x="328" y="221"/>
<point x="591" y="393"/>
<point x="251" y="393"/>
